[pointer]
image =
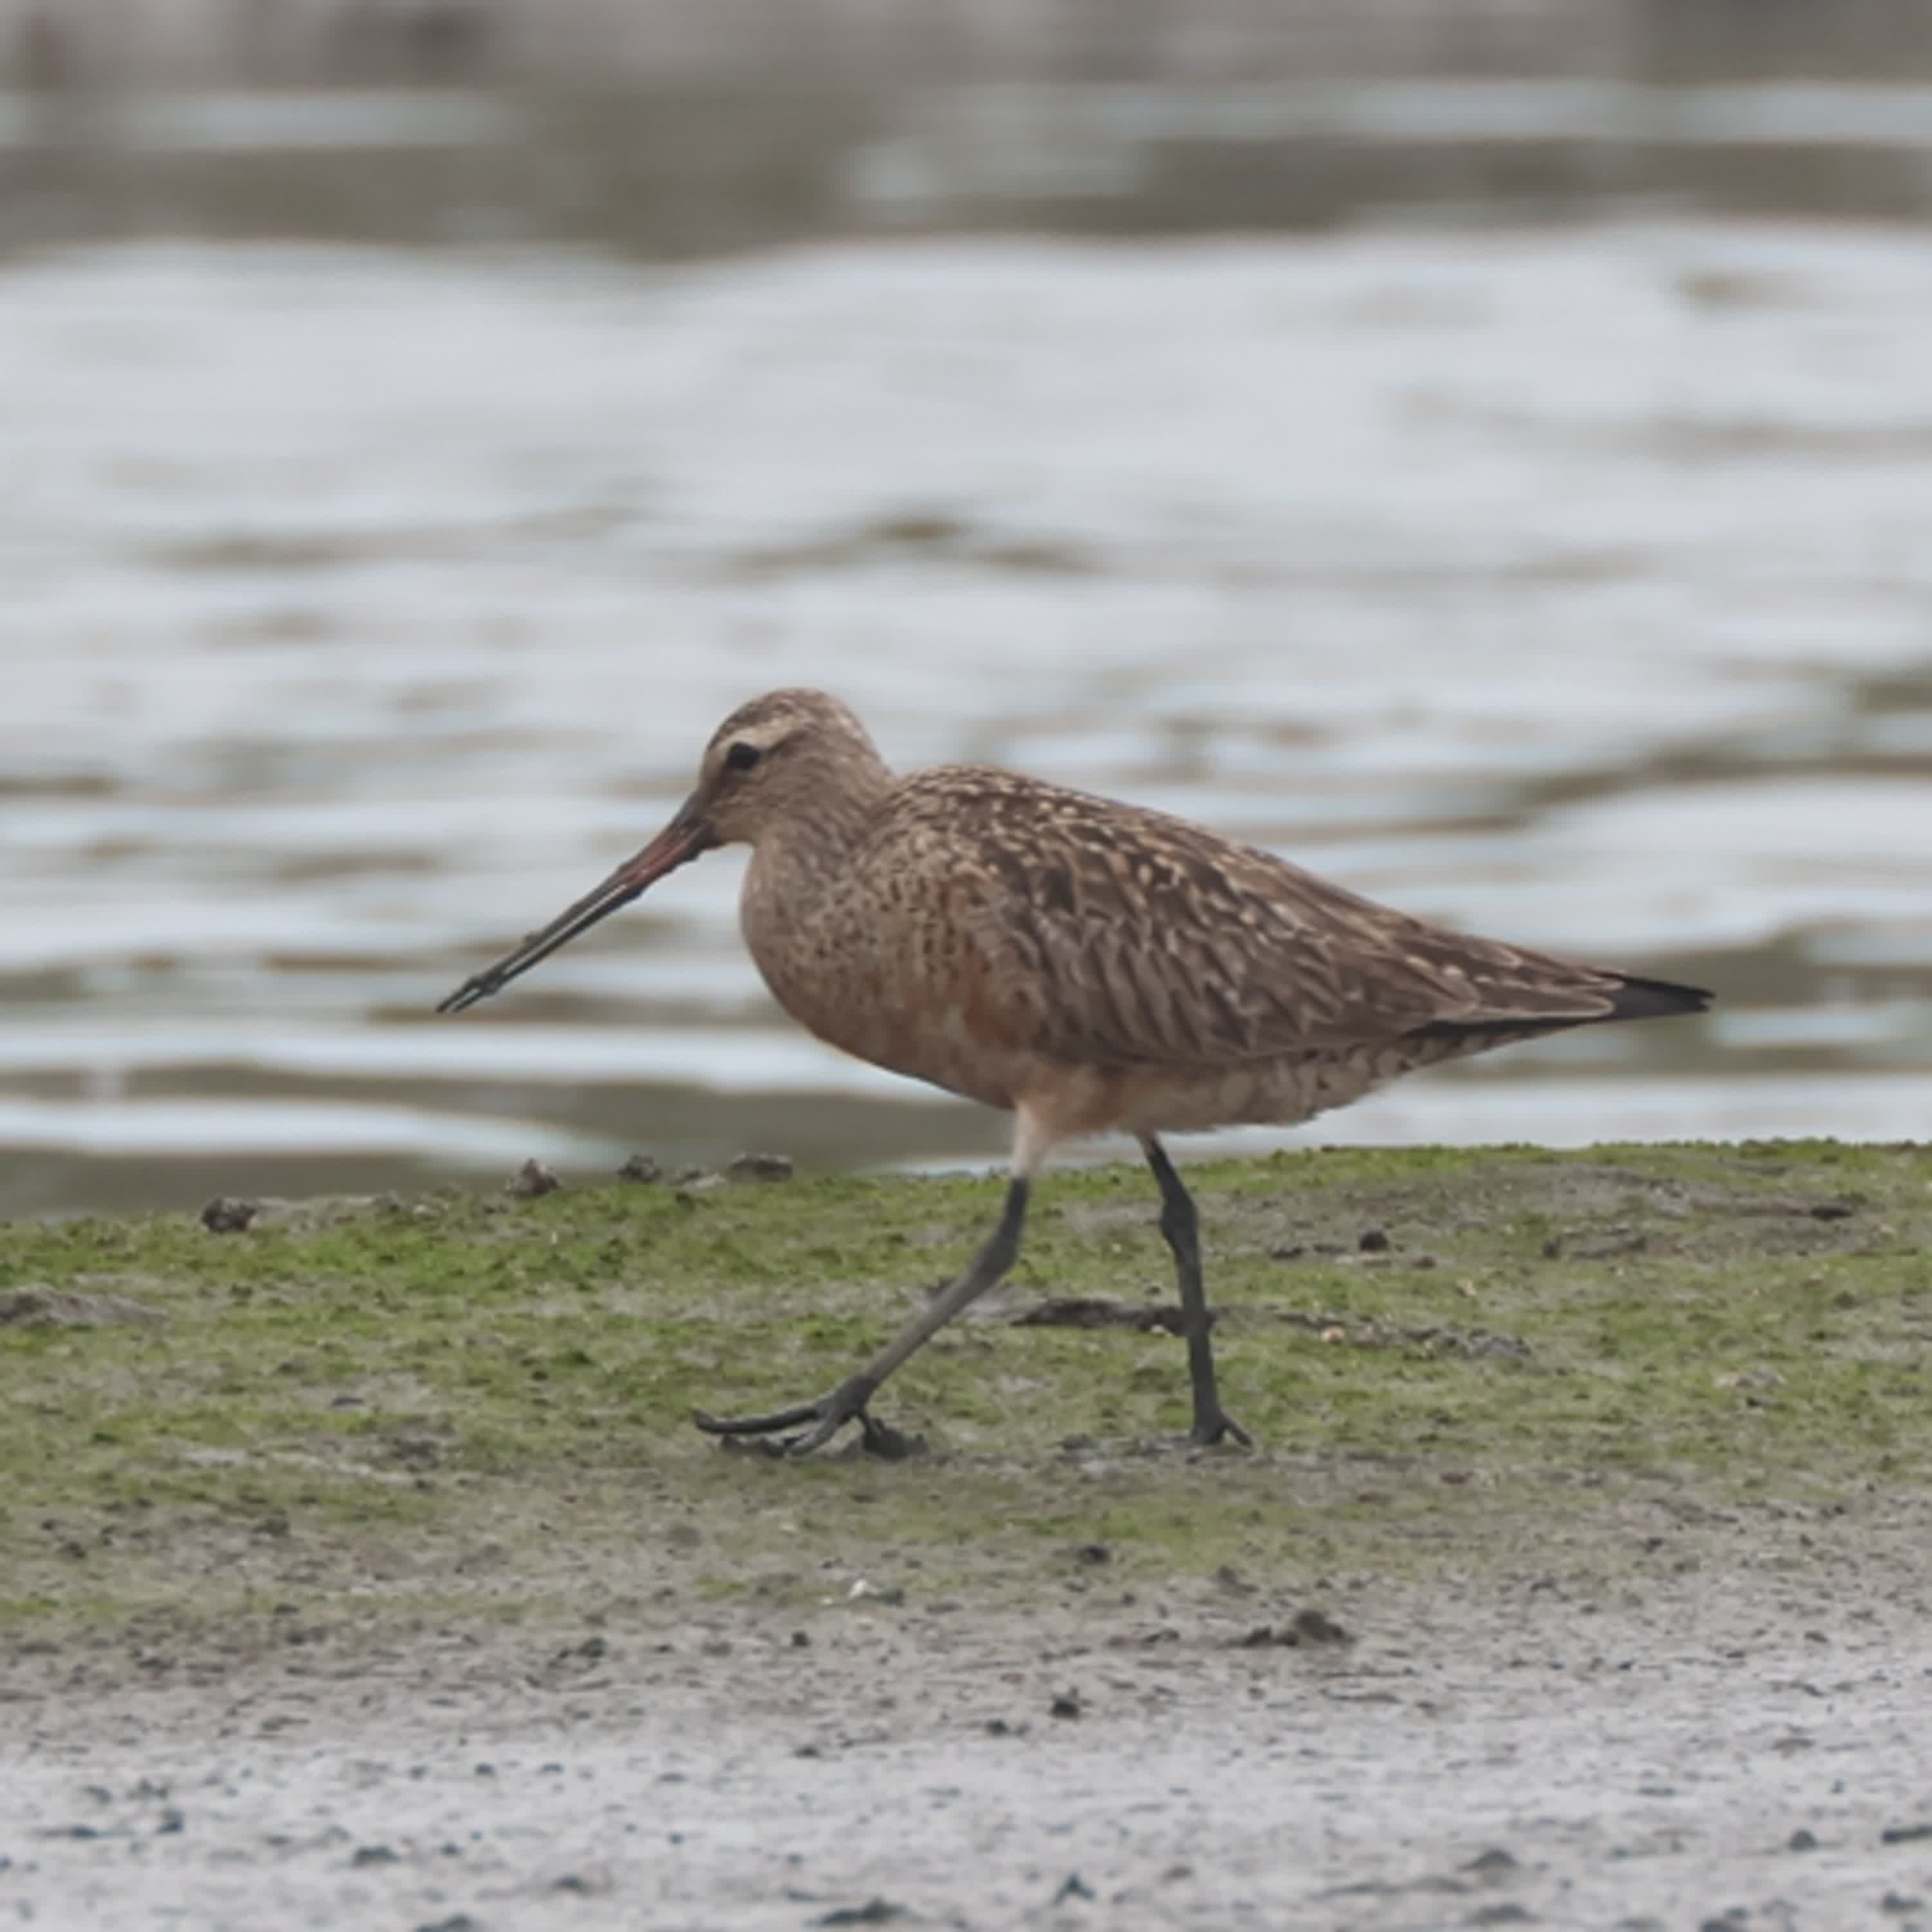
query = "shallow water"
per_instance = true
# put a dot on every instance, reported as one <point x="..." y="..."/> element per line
<point x="364" y="608"/>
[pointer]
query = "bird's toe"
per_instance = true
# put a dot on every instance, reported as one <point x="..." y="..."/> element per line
<point x="1210" y="1430"/>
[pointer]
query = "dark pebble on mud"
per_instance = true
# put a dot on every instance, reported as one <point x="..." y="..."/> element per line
<point x="640" y="1167"/>
<point x="998" y="1727"/>
<point x="1072" y="1886"/>
<point x="227" y="1215"/>
<point x="1898" y="1903"/>
<point x="1374" y="1241"/>
<point x="1310" y="1628"/>
<point x="1066" y="1705"/>
<point x="530" y="1181"/>
<point x="1802" y="1841"/>
<point x="372" y="1855"/>
<point x="1834" y="1210"/>
<point x="1491" y="1864"/>
<point x="874" y="1912"/>
<point x="171" y="1820"/>
<point x="1904" y="1834"/>
<point x="759" y="1167"/>
<point x="1314" y="1627"/>
<point x="1093" y="1553"/>
<point x="801" y="1639"/>
<point x="459" y="1921"/>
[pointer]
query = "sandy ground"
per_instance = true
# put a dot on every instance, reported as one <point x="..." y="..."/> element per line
<point x="1745" y="1746"/>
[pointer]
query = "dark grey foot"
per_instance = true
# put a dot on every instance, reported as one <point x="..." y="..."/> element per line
<point x="1218" y="1427"/>
<point x="816" y="1424"/>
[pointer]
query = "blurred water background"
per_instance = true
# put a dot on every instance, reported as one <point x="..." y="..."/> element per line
<point x="1483" y="450"/>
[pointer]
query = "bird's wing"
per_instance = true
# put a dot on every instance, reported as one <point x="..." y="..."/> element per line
<point x="1106" y="934"/>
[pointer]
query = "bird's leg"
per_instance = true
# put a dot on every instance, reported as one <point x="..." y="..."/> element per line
<point x="818" y="1422"/>
<point x="1180" y="1225"/>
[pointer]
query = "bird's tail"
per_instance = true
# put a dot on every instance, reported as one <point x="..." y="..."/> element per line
<point x="1638" y="999"/>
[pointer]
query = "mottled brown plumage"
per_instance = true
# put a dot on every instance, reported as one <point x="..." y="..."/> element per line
<point x="1088" y="964"/>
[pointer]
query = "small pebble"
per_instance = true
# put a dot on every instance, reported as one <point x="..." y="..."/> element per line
<point x="226" y="1215"/>
<point x="1312" y="1626"/>
<point x="758" y="1167"/>
<point x="1066" y="1705"/>
<point x="641" y="1168"/>
<point x="530" y="1181"/>
<point x="874" y="1912"/>
<point x="1374" y="1241"/>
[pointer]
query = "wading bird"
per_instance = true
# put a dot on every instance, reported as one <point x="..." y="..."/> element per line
<point x="1085" y="964"/>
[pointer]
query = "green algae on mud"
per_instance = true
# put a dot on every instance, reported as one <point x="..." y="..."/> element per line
<point x="470" y="1405"/>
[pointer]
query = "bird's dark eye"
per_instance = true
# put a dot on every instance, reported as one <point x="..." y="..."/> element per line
<point x="742" y="756"/>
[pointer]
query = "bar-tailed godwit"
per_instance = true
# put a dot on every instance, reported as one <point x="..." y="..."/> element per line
<point x="1086" y="965"/>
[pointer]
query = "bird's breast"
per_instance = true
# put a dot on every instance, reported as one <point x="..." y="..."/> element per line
<point x="886" y="980"/>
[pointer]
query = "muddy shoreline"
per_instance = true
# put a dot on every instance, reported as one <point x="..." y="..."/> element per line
<point x="359" y="1565"/>
<point x="1738" y="1742"/>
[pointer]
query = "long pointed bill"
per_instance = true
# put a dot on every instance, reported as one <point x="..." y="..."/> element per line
<point x="679" y="842"/>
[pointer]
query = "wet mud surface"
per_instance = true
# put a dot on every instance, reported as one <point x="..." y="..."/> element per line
<point x="1739" y="1742"/>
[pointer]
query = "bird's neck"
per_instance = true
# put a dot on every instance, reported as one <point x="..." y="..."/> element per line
<point x="796" y="850"/>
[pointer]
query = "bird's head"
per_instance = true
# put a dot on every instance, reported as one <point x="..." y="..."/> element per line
<point x="787" y="757"/>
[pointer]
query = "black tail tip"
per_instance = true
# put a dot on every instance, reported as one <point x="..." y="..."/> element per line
<point x="1657" y="999"/>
